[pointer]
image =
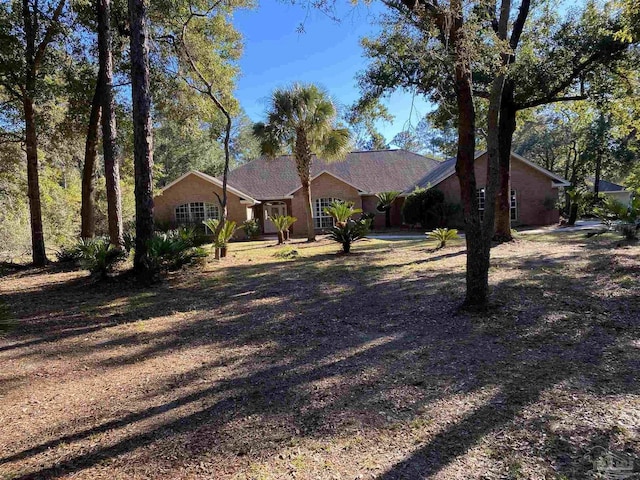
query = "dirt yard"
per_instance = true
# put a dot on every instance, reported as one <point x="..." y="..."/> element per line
<point x="324" y="366"/>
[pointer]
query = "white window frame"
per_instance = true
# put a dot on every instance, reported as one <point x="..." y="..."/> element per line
<point x="513" y="205"/>
<point x="320" y="218"/>
<point x="194" y="213"/>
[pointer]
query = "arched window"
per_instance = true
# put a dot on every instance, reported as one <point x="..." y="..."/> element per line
<point x="195" y="213"/>
<point x="320" y="218"/>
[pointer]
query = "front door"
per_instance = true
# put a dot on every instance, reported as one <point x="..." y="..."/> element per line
<point x="273" y="209"/>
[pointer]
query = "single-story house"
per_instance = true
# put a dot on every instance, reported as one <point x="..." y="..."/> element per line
<point x="266" y="187"/>
<point x="612" y="190"/>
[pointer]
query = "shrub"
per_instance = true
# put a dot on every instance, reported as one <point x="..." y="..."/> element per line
<point x="341" y="211"/>
<point x="425" y="207"/>
<point x="385" y="200"/>
<point x="443" y="235"/>
<point x="286" y="253"/>
<point x="226" y="232"/>
<point x="348" y="232"/>
<point x="99" y="256"/>
<point x="625" y="219"/>
<point x="251" y="228"/>
<point x="69" y="254"/>
<point x="282" y="224"/>
<point x="171" y="251"/>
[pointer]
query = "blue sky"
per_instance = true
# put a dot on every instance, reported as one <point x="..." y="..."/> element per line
<point x="327" y="53"/>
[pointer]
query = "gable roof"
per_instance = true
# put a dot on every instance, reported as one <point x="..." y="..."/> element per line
<point x="243" y="196"/>
<point x="605" y="186"/>
<point x="448" y="168"/>
<point x="370" y="172"/>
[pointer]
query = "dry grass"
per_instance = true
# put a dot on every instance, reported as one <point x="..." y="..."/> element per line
<point x="318" y="366"/>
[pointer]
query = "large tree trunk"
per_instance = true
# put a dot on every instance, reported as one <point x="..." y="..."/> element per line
<point x="109" y="128"/>
<point x="87" y="210"/>
<point x="477" y="274"/>
<point x="303" y="165"/>
<point x="31" y="136"/>
<point x="506" y="128"/>
<point x="142" y="133"/>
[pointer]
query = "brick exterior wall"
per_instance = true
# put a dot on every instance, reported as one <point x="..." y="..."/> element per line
<point x="324" y="186"/>
<point x="532" y="189"/>
<point x="196" y="189"/>
<point x="369" y="204"/>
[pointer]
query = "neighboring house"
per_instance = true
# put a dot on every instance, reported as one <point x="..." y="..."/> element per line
<point x="267" y="187"/>
<point x="613" y="190"/>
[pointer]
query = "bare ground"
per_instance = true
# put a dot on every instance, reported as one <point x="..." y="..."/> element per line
<point x="327" y="366"/>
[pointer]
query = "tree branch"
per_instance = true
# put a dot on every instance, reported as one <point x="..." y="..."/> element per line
<point x="547" y="100"/>
<point x="48" y="36"/>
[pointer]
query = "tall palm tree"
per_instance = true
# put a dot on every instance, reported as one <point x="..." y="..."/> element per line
<point x="301" y="120"/>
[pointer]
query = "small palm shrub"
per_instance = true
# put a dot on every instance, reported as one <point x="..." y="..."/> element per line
<point x="171" y="251"/>
<point x="251" y="228"/>
<point x="341" y="211"/>
<point x="99" y="256"/>
<point x="69" y="254"/>
<point x="443" y="235"/>
<point x="220" y="243"/>
<point x="282" y="224"/>
<point x="625" y="219"/>
<point x="348" y="232"/>
<point x="385" y="200"/>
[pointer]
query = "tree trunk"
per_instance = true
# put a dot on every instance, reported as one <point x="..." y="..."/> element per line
<point x="33" y="185"/>
<point x="303" y="165"/>
<point x="477" y="274"/>
<point x="142" y="133"/>
<point x="387" y="217"/>
<point x="87" y="210"/>
<point x="506" y="127"/>
<point x="39" y="254"/>
<point x="109" y="128"/>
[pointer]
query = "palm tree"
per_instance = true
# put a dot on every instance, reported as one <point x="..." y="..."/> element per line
<point x="301" y="120"/>
<point x="385" y="200"/>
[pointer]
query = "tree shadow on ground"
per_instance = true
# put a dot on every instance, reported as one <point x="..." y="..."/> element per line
<point x="324" y="346"/>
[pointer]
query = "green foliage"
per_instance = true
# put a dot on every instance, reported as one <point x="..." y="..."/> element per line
<point x="226" y="232"/>
<point x="443" y="235"/>
<point x="69" y="254"/>
<point x="287" y="253"/>
<point x="427" y="208"/>
<point x="386" y="199"/>
<point x="348" y="232"/>
<point x="99" y="256"/>
<point x="625" y="219"/>
<point x="251" y="228"/>
<point x="341" y="211"/>
<point x="171" y="251"/>
<point x="307" y="110"/>
<point x="282" y="224"/>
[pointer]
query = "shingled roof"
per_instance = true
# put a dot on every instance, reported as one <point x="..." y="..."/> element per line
<point x="370" y="172"/>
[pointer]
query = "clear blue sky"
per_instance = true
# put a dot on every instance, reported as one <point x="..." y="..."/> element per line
<point x="327" y="53"/>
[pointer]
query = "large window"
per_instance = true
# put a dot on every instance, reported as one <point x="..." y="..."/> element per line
<point x="196" y="212"/>
<point x="320" y="218"/>
<point x="512" y="202"/>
